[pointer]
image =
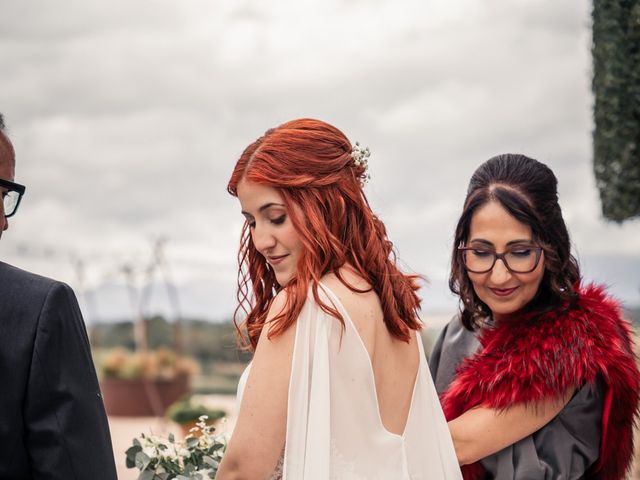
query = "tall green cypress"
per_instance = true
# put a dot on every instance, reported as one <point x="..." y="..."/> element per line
<point x="616" y="88"/>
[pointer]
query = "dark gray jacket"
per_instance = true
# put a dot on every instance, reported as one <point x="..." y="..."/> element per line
<point x="561" y="450"/>
<point x="52" y="419"/>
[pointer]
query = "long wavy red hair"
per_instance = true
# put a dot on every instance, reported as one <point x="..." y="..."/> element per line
<point x="310" y="163"/>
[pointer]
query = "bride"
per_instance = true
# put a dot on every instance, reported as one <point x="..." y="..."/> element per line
<point x="338" y="387"/>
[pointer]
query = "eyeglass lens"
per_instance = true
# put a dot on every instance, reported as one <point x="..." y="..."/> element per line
<point x="522" y="260"/>
<point x="10" y="202"/>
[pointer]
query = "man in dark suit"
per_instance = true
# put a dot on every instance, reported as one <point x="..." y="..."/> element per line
<point x="52" y="419"/>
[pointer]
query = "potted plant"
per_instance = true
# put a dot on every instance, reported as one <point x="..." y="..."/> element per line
<point x="187" y="412"/>
<point x="144" y="383"/>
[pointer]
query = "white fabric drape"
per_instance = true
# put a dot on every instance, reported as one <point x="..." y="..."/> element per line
<point x="334" y="429"/>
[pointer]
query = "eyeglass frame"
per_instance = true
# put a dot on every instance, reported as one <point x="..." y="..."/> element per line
<point x="538" y="249"/>
<point x="13" y="187"/>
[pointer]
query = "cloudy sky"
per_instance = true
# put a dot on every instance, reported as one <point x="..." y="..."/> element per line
<point x="128" y="117"/>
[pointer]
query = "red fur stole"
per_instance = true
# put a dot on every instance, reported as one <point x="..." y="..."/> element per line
<point x="526" y="360"/>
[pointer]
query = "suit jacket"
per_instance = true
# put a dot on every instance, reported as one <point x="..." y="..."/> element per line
<point x="52" y="419"/>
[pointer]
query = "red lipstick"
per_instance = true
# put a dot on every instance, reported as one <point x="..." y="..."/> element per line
<point x="503" y="292"/>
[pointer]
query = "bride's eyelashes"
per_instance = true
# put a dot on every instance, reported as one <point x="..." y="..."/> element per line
<point x="275" y="221"/>
<point x="279" y="220"/>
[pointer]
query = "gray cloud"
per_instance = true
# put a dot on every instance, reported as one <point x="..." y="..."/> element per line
<point x="128" y="117"/>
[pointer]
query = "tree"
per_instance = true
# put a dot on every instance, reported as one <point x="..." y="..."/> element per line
<point x="616" y="88"/>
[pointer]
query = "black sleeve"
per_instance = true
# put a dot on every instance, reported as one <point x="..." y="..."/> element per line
<point x="66" y="429"/>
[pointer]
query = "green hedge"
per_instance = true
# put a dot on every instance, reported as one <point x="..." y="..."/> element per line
<point x="616" y="88"/>
<point x="186" y="411"/>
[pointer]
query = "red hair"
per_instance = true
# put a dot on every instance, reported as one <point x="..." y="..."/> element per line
<point x="309" y="162"/>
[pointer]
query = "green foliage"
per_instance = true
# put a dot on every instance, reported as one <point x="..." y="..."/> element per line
<point x="616" y="88"/>
<point x="205" y="341"/>
<point x="186" y="411"/>
<point x="194" y="458"/>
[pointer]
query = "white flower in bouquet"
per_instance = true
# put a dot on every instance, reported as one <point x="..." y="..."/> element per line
<point x="194" y="458"/>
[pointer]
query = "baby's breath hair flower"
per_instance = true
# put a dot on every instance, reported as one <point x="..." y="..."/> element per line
<point x="360" y="158"/>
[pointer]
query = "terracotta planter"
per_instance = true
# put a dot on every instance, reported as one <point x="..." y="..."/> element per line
<point x="142" y="397"/>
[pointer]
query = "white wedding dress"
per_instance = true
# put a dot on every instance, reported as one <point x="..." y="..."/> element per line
<point x="334" y="429"/>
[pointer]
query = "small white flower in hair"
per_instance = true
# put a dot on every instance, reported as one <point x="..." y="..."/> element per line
<point x="360" y="157"/>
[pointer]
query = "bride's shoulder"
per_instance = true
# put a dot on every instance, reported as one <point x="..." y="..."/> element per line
<point x="346" y="283"/>
<point x="278" y="304"/>
<point x="277" y="308"/>
<point x="355" y="294"/>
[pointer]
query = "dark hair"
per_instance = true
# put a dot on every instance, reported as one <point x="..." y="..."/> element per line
<point x="527" y="189"/>
<point x="2" y="126"/>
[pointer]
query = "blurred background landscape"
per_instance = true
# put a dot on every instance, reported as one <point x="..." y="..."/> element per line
<point x="213" y="345"/>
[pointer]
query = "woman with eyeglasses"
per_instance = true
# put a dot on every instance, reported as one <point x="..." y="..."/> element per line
<point x="537" y="374"/>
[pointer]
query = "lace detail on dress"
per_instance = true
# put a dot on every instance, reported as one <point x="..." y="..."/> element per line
<point x="279" y="471"/>
<point x="340" y="463"/>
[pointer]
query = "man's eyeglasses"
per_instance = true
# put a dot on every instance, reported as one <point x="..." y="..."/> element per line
<point x="519" y="259"/>
<point x="11" y="196"/>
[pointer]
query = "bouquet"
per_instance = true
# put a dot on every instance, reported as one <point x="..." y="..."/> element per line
<point x="195" y="458"/>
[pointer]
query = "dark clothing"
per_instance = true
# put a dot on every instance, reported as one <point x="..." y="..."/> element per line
<point x="561" y="450"/>
<point x="52" y="419"/>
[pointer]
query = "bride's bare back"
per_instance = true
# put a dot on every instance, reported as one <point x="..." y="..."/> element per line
<point x="394" y="362"/>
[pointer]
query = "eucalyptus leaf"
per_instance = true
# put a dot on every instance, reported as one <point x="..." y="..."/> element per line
<point x="192" y="442"/>
<point x="146" y="475"/>
<point x="142" y="460"/>
<point x="131" y="455"/>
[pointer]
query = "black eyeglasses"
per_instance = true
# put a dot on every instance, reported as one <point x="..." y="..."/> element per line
<point x="11" y="197"/>
<point x="519" y="259"/>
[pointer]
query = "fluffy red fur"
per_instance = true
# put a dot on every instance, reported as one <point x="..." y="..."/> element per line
<point x="527" y="359"/>
<point x="310" y="163"/>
